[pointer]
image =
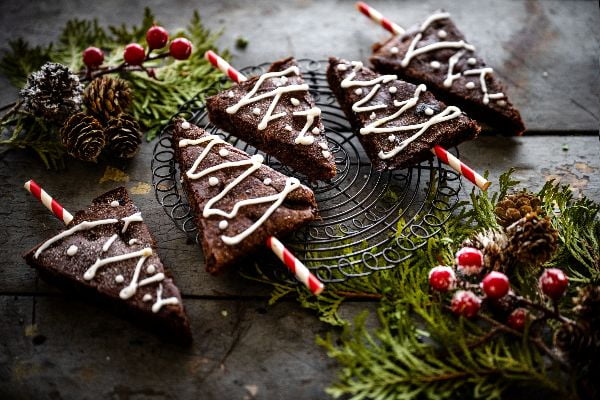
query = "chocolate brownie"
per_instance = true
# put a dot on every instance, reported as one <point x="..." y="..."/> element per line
<point x="397" y="123"/>
<point x="238" y="201"/>
<point x="276" y="114"/>
<point x="108" y="253"/>
<point x="437" y="54"/>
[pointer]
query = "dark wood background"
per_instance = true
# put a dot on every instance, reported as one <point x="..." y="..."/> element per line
<point x="54" y="346"/>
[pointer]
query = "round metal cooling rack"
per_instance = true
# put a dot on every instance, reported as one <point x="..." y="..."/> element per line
<point x="370" y="220"/>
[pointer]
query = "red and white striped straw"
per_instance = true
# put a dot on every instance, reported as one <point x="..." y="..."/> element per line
<point x="439" y="151"/>
<point x="302" y="273"/>
<point x="224" y="67"/>
<point x="47" y="200"/>
<point x="448" y="158"/>
<point x="379" y="18"/>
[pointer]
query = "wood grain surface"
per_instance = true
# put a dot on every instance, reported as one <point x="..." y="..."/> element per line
<point x="54" y="346"/>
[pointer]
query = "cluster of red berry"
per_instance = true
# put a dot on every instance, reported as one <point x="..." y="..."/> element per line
<point x="135" y="54"/>
<point x="494" y="286"/>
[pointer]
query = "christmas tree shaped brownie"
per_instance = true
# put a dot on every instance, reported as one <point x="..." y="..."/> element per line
<point x="107" y="252"/>
<point x="397" y="123"/>
<point x="438" y="55"/>
<point x="238" y="201"/>
<point x="275" y="113"/>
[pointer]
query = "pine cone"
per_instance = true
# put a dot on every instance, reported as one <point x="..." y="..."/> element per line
<point x="493" y="245"/>
<point x="107" y="97"/>
<point x="587" y="304"/>
<point x="577" y="341"/>
<point x="516" y="206"/>
<point x="532" y="240"/>
<point x="53" y="93"/>
<point x="83" y="137"/>
<point x="123" y="136"/>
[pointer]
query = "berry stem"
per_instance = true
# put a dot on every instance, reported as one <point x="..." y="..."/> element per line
<point x="548" y="313"/>
<point x="123" y="67"/>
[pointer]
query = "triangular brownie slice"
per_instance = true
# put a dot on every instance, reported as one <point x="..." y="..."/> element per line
<point x="108" y="252"/>
<point x="238" y="201"/>
<point x="437" y="54"/>
<point x="397" y="123"/>
<point x="276" y="113"/>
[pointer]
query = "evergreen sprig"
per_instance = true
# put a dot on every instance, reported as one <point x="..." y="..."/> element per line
<point x="155" y="100"/>
<point x="419" y="349"/>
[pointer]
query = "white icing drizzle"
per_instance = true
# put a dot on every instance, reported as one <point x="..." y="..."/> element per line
<point x="223" y="224"/>
<point x="223" y="152"/>
<point x="185" y="125"/>
<point x="137" y="217"/>
<point x="150" y="269"/>
<point x="231" y="94"/>
<point x="254" y="163"/>
<point x="91" y="271"/>
<point x="267" y="181"/>
<point x="358" y="91"/>
<point x="276" y="94"/>
<point x="256" y="111"/>
<point x="392" y="138"/>
<point x="394" y="50"/>
<point x="119" y="278"/>
<point x="428" y="111"/>
<point x="288" y="128"/>
<point x="323" y="145"/>
<point x="451" y="63"/>
<point x="109" y="243"/>
<point x="392" y="89"/>
<point x="114" y="203"/>
<point x="501" y="103"/>
<point x="129" y="290"/>
<point x="482" y="72"/>
<point x="133" y="241"/>
<point x="72" y="250"/>
<point x="376" y="83"/>
<point x="310" y="115"/>
<point x="372" y="116"/>
<point x="147" y="297"/>
<point x="213" y="181"/>
<point x="316" y="131"/>
<point x="295" y="101"/>
<point x="83" y="226"/>
<point x="162" y="302"/>
<point x="342" y="67"/>
<point x="470" y="85"/>
<point x="453" y="60"/>
<point x="326" y="154"/>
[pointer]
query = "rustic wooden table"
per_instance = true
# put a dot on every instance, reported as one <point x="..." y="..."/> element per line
<point x="54" y="346"/>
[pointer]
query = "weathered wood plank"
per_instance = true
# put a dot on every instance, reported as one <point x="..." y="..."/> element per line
<point x="546" y="51"/>
<point x="74" y="350"/>
<point x="536" y="158"/>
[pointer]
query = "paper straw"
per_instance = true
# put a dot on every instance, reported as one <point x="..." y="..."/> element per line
<point x="47" y="200"/>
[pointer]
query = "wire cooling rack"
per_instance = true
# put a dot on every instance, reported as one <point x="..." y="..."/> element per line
<point x="370" y="220"/>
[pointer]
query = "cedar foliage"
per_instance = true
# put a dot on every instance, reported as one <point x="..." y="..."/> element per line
<point x="420" y="350"/>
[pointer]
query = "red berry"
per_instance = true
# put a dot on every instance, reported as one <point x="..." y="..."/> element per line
<point x="157" y="37"/>
<point x="469" y="260"/>
<point x="134" y="54"/>
<point x="553" y="283"/>
<point x="180" y="49"/>
<point x="93" y="57"/>
<point x="465" y="303"/>
<point x="495" y="285"/>
<point x="441" y="278"/>
<point x="517" y="319"/>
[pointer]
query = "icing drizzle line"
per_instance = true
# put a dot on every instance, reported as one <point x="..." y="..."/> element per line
<point x="130" y="290"/>
<point x="253" y="164"/>
<point x="448" y="113"/>
<point x="276" y="93"/>
<point x="453" y="60"/>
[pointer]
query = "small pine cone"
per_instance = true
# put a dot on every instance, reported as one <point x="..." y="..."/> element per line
<point x="577" y="341"/>
<point x="53" y="93"/>
<point x="493" y="245"/>
<point x="532" y="240"/>
<point x="123" y="136"/>
<point x="107" y="97"/>
<point x="587" y="304"/>
<point x="83" y="137"/>
<point x="515" y="206"/>
<point x="504" y="305"/>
